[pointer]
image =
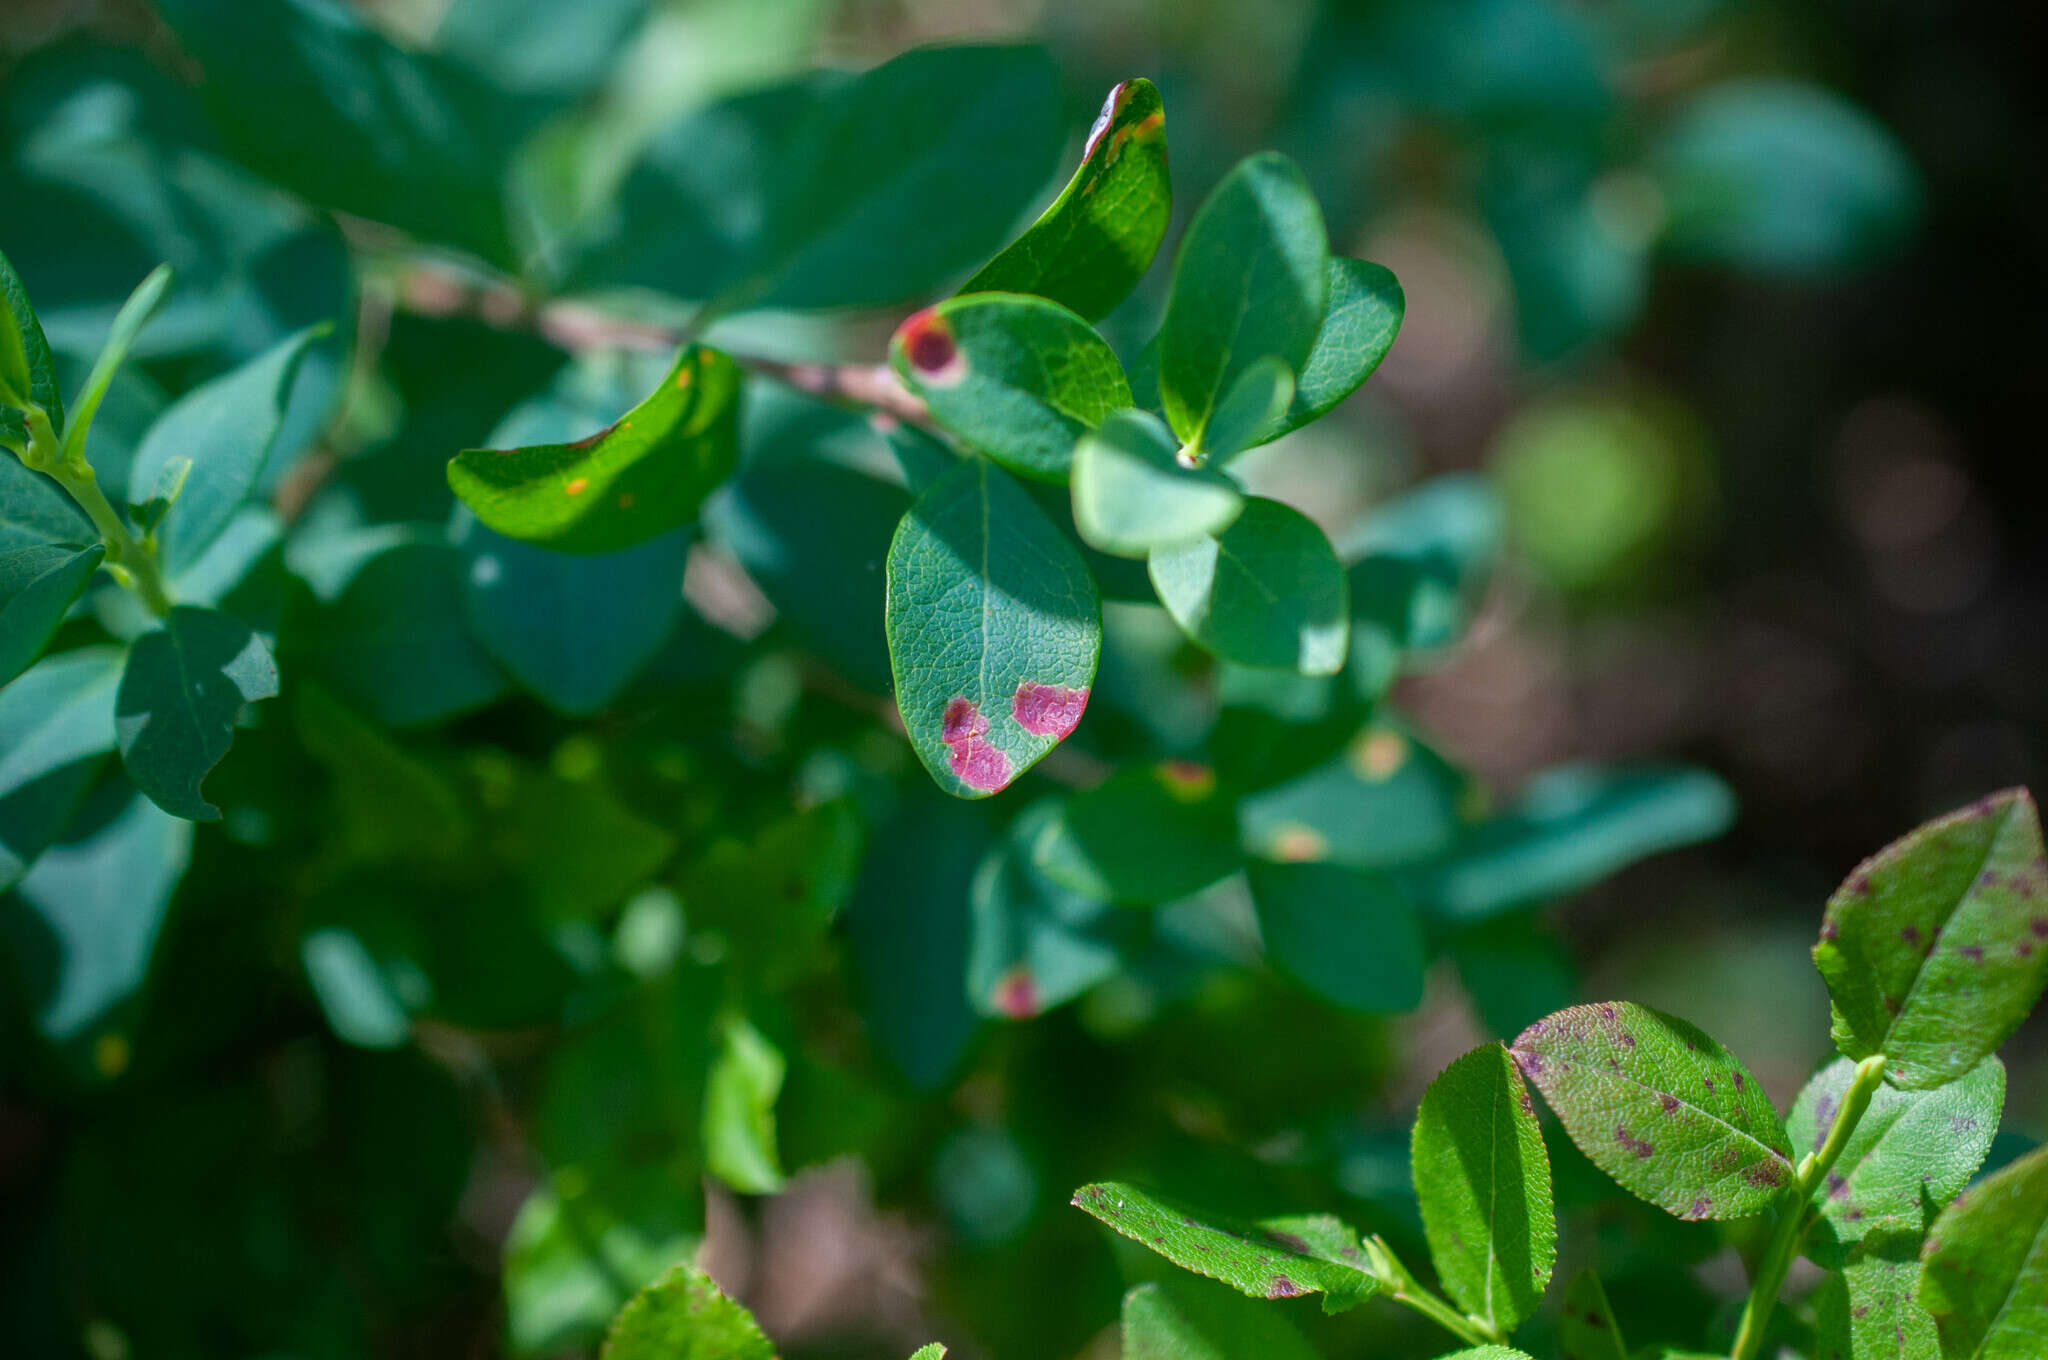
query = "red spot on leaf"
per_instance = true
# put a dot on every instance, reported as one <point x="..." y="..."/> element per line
<point x="1701" y="1207"/>
<point x="928" y="342"/>
<point x="1017" y="994"/>
<point x="1669" y="1102"/>
<point x="1974" y="953"/>
<point x="1642" y="1148"/>
<point x="1283" y="1288"/>
<point x="974" y="761"/>
<point x="1048" y="710"/>
<point x="1911" y="934"/>
<point x="962" y="721"/>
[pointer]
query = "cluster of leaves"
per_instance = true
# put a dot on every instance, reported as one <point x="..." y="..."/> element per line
<point x="494" y="774"/>
<point x="1933" y="953"/>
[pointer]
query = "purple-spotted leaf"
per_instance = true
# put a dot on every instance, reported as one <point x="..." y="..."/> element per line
<point x="1272" y="1258"/>
<point x="1482" y="1180"/>
<point x="1936" y="947"/>
<point x="994" y="628"/>
<point x="1984" y="1270"/>
<point x="643" y="475"/>
<point x="1017" y="377"/>
<point x="1910" y="1151"/>
<point x="1036" y="943"/>
<point x="1090" y="248"/>
<point x="1870" y="1308"/>
<point x="1586" y="1329"/>
<point x="1666" y="1111"/>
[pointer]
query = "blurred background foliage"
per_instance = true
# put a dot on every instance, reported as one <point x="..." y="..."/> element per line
<point x="472" y="1015"/>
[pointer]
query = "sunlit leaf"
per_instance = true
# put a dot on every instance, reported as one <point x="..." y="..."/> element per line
<point x="1984" y="1272"/>
<point x="683" y="1316"/>
<point x="1133" y="494"/>
<point x="1267" y="591"/>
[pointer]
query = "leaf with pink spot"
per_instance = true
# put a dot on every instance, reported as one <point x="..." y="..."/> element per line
<point x="1034" y="944"/>
<point x="994" y="628"/>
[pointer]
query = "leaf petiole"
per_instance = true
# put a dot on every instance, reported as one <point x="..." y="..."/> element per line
<point x="1796" y="1213"/>
<point x="1402" y="1288"/>
<point x="129" y="561"/>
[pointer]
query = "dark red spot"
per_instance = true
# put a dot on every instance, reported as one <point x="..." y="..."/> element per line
<point x="1607" y="1012"/>
<point x="1528" y="1105"/>
<point x="1911" y="934"/>
<point x="1283" y="1288"/>
<point x="1299" y="1246"/>
<point x="1765" y="1173"/>
<point x="1593" y="1319"/>
<point x="928" y="343"/>
<point x="1638" y="1146"/>
<point x="1974" y="953"/>
<point x="1017" y="994"/>
<point x="1891" y="1003"/>
<point x="974" y="761"/>
<point x="2025" y="949"/>
<point x="1961" y="1123"/>
<point x="1828" y="930"/>
<point x="1837" y="1187"/>
<point x="1047" y="710"/>
<point x="1738" y="1080"/>
<point x="962" y="721"/>
<point x="1530" y="1063"/>
<point x="1669" y="1102"/>
<point x="1627" y="1040"/>
<point x="2039" y="925"/>
<point x="1701" y="1207"/>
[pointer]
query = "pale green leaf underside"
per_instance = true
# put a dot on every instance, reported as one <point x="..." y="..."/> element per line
<point x="1132" y="493"/>
<point x="1273" y="1258"/>
<point x="1911" y="1152"/>
<point x="1482" y="1180"/>
<point x="1936" y="948"/>
<point x="994" y="628"/>
<point x="1666" y="1111"/>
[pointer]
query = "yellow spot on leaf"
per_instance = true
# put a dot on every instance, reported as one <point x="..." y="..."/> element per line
<point x="577" y="487"/>
<point x="1297" y="844"/>
<point x="1188" y="781"/>
<point x="110" y="1054"/>
<point x="1377" y="754"/>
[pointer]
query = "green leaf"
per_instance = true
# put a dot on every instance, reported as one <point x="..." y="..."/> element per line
<point x="1671" y="1115"/>
<point x="1785" y="176"/>
<point x="1347" y="935"/>
<point x="184" y="686"/>
<point x="1482" y="1179"/>
<point x="35" y="512"/>
<point x="906" y="173"/>
<point x="1984" y="1270"/>
<point x="1146" y="834"/>
<point x="1090" y="248"/>
<point x="1571" y="827"/>
<point x="1363" y="316"/>
<point x="82" y="925"/>
<point x="683" y="1316"/>
<point x="38" y="585"/>
<point x="1133" y="494"/>
<point x="641" y="476"/>
<point x="1388" y="800"/>
<point x="569" y="1268"/>
<point x="128" y="323"/>
<point x="739" y="1109"/>
<point x="1016" y="377"/>
<point x="1488" y="1352"/>
<point x="1252" y="281"/>
<point x="1419" y="564"/>
<point x="1870" y="1310"/>
<point x="56" y="727"/>
<point x="574" y="629"/>
<point x="1273" y="1258"/>
<point x="1267" y="591"/>
<point x="1936" y="947"/>
<point x="395" y="645"/>
<point x="308" y="96"/>
<point x="1912" y="1150"/>
<point x="1586" y="1329"/>
<point x="1252" y="410"/>
<point x="28" y="373"/>
<point x="932" y="1352"/>
<point x="1036" y="944"/>
<point x="1186" y="1320"/>
<point x="994" y="630"/>
<point x="226" y="427"/>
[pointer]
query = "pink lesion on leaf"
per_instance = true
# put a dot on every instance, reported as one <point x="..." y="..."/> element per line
<point x="1048" y="710"/>
<point x="974" y="761"/>
<point x="1016" y="994"/>
<point x="1110" y="108"/>
<point x="1187" y="781"/>
<point x="929" y="345"/>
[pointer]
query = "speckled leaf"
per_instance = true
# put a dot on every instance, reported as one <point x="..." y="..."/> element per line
<point x="1273" y="1258"/>
<point x="1870" y="1309"/>
<point x="641" y="476"/>
<point x="1036" y="943"/>
<point x="1363" y="317"/>
<point x="1017" y="377"/>
<point x="1146" y="834"/>
<point x="1665" y="1110"/>
<point x="1984" y="1270"/>
<point x="1586" y="1329"/>
<point x="1252" y="280"/>
<point x="1482" y="1180"/>
<point x="56" y="728"/>
<point x="38" y="583"/>
<point x="1912" y="1151"/>
<point x="175" y="716"/>
<point x="683" y="1316"/>
<point x="1252" y="411"/>
<point x="1132" y="494"/>
<point x="1267" y="591"/>
<point x="226" y="427"/>
<point x="1090" y="248"/>
<point x="1936" y="947"/>
<point x="1183" y="1319"/>
<point x="994" y="629"/>
<point x="1347" y="935"/>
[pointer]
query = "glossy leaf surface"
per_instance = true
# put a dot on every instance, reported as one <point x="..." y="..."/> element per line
<point x="1267" y="591"/>
<point x="184" y="685"/>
